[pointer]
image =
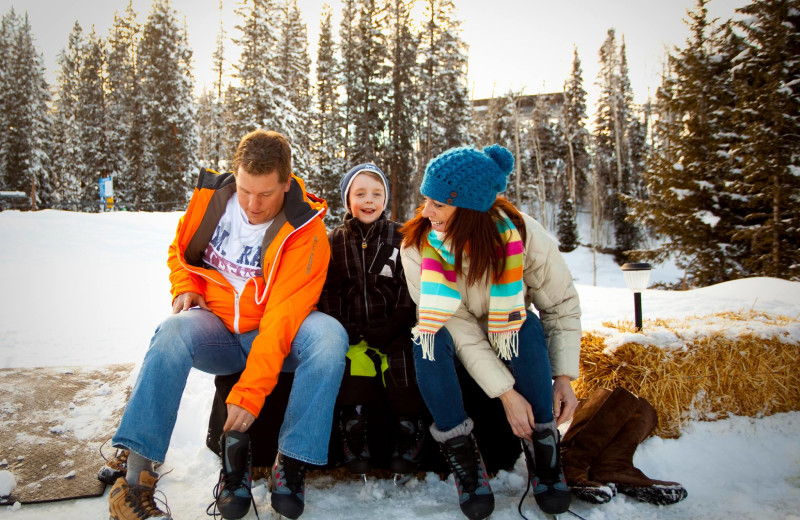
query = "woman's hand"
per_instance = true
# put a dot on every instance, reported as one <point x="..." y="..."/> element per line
<point x="564" y="400"/>
<point x="518" y="413"/>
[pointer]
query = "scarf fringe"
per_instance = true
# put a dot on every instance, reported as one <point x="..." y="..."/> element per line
<point x="506" y="343"/>
<point x="425" y="341"/>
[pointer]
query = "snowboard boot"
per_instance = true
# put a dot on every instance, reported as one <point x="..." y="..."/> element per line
<point x="546" y="476"/>
<point x="615" y="462"/>
<point x="353" y="430"/>
<point x="126" y="502"/>
<point x="475" y="496"/>
<point x="232" y="493"/>
<point x="408" y="449"/>
<point x="595" y="423"/>
<point x="287" y="486"/>
<point x="114" y="468"/>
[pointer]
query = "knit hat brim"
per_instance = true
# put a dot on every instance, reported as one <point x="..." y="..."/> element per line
<point x="349" y="177"/>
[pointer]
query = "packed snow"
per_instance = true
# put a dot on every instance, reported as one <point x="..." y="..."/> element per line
<point x="89" y="289"/>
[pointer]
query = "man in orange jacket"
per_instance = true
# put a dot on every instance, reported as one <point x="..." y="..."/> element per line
<point x="247" y="267"/>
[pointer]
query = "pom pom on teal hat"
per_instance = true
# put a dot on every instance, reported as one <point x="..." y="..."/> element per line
<point x="468" y="178"/>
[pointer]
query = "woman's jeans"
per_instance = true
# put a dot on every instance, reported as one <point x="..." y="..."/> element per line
<point x="198" y="338"/>
<point x="439" y="386"/>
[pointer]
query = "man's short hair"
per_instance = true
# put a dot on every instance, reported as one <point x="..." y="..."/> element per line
<point x="262" y="152"/>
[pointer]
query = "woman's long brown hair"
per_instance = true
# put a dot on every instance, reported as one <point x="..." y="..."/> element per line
<point x="471" y="232"/>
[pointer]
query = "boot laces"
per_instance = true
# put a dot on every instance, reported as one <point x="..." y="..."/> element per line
<point x="118" y="461"/>
<point x="291" y="473"/>
<point x="463" y="460"/>
<point x="143" y="501"/>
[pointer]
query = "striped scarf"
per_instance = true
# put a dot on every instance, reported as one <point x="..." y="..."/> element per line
<point x="439" y="296"/>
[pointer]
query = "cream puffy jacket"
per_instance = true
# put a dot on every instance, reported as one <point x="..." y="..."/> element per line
<point x="548" y="286"/>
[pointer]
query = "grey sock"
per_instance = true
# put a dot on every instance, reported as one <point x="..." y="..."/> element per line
<point x="464" y="428"/>
<point x="137" y="464"/>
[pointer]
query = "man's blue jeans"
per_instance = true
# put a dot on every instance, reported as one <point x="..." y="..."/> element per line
<point x="439" y="386"/>
<point x="198" y="338"/>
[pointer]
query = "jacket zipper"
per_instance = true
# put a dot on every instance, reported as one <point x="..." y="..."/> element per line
<point x="364" y="266"/>
<point x="236" y="311"/>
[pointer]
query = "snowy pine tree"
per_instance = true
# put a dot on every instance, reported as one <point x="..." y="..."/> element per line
<point x="612" y="144"/>
<point x="214" y="146"/>
<point x="445" y="110"/>
<point x="689" y="200"/>
<point x="348" y="67"/>
<point x="767" y="82"/>
<point x="293" y="93"/>
<point x="68" y="154"/>
<point x="403" y="102"/>
<point x="576" y="136"/>
<point x="127" y="150"/>
<point x="168" y="107"/>
<point x="327" y="143"/>
<point x="25" y="146"/>
<point x="252" y="102"/>
<point x="95" y="160"/>
<point x="369" y="91"/>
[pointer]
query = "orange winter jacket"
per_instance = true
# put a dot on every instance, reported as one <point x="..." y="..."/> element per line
<point x="295" y="255"/>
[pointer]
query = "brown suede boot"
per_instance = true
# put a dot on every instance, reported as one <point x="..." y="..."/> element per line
<point x="596" y="422"/>
<point x="615" y="462"/>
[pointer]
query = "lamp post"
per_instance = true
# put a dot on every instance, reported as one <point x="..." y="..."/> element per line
<point x="637" y="274"/>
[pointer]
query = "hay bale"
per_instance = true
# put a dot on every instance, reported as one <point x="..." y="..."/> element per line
<point x="746" y="366"/>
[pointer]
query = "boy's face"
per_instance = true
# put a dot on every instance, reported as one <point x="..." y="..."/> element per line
<point x="260" y="196"/>
<point x="367" y="197"/>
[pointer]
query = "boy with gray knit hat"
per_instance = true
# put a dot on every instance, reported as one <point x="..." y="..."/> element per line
<point x="366" y="291"/>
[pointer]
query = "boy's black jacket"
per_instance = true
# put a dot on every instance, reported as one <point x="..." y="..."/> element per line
<point x="366" y="287"/>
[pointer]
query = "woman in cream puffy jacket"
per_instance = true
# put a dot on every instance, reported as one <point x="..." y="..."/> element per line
<point x="474" y="265"/>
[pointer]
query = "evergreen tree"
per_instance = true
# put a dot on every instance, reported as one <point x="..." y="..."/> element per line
<point x="767" y="82"/>
<point x="567" y="224"/>
<point x="370" y="88"/>
<point x="576" y="136"/>
<point x="213" y="141"/>
<point x="689" y="176"/>
<point x="293" y="90"/>
<point x="612" y="144"/>
<point x="403" y="103"/>
<point x="127" y="150"/>
<point x="327" y="145"/>
<point x="445" y="110"/>
<point x="25" y="146"/>
<point x="94" y="161"/>
<point x="348" y="69"/>
<point x="67" y="156"/>
<point x="168" y="107"/>
<point x="253" y="102"/>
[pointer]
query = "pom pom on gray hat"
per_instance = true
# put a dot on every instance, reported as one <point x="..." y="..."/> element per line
<point x="347" y="181"/>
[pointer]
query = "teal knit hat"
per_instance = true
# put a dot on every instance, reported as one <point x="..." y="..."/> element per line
<point x="468" y="178"/>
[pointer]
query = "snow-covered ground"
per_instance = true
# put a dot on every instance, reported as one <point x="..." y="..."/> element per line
<point x="89" y="289"/>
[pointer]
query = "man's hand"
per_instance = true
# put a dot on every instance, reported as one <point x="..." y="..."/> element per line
<point x="187" y="300"/>
<point x="564" y="400"/>
<point x="239" y="419"/>
<point x="518" y="413"/>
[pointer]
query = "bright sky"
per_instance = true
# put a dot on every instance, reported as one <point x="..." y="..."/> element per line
<point x="513" y="44"/>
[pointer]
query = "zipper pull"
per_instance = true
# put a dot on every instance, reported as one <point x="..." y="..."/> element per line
<point x="364" y="244"/>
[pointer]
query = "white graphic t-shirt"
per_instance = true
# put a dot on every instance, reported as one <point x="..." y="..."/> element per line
<point x="235" y="248"/>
